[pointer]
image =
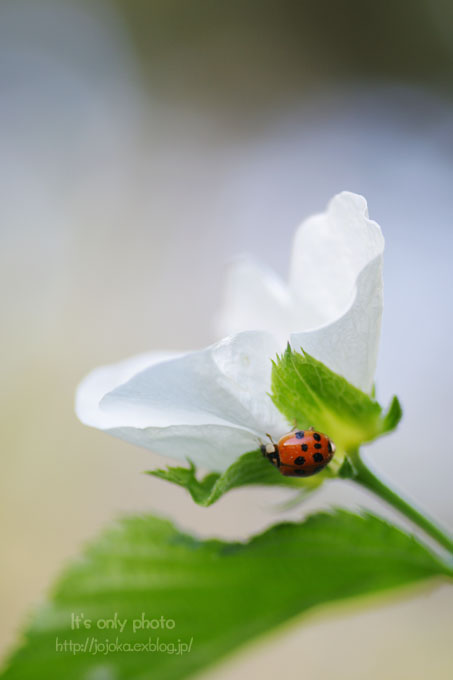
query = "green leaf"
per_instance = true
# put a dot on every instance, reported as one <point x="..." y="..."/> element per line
<point x="219" y="595"/>
<point x="393" y="416"/>
<point x="311" y="395"/>
<point x="251" y="468"/>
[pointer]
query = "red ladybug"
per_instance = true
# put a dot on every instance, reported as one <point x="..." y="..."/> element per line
<point x="301" y="453"/>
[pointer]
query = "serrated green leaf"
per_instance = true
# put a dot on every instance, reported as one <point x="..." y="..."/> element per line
<point x="219" y="595"/>
<point x="251" y="468"/>
<point x="311" y="395"/>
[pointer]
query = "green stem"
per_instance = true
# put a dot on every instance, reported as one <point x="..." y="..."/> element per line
<point x="363" y="476"/>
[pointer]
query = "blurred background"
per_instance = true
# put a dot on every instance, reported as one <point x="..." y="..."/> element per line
<point x="143" y="144"/>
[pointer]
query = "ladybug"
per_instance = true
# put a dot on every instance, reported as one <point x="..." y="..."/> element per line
<point x="301" y="453"/>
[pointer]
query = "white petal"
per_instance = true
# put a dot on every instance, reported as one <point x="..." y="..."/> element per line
<point x="255" y="298"/>
<point x="104" y="379"/>
<point x="210" y="406"/>
<point x="244" y="362"/>
<point x="213" y="405"/>
<point x="214" y="447"/>
<point x="336" y="276"/>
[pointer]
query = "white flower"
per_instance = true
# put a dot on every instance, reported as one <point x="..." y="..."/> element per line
<point x="213" y="405"/>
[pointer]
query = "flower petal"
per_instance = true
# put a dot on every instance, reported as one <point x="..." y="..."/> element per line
<point x="210" y="406"/>
<point x="255" y="298"/>
<point x="336" y="276"/>
<point x="213" y="447"/>
<point x="104" y="379"/>
<point x="213" y="405"/>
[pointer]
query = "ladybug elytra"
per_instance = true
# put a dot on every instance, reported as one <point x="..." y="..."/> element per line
<point x="301" y="453"/>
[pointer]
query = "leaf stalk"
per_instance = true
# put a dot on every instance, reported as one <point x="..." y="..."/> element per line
<point x="361" y="474"/>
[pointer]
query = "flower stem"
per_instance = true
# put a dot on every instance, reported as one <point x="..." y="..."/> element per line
<point x="362" y="475"/>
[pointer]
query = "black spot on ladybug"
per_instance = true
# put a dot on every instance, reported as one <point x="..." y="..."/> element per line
<point x="300" y="460"/>
<point x="317" y="436"/>
<point x="318" y="457"/>
<point x="329" y="446"/>
<point x="318" y="446"/>
<point x="300" y="434"/>
<point x="304" y="447"/>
